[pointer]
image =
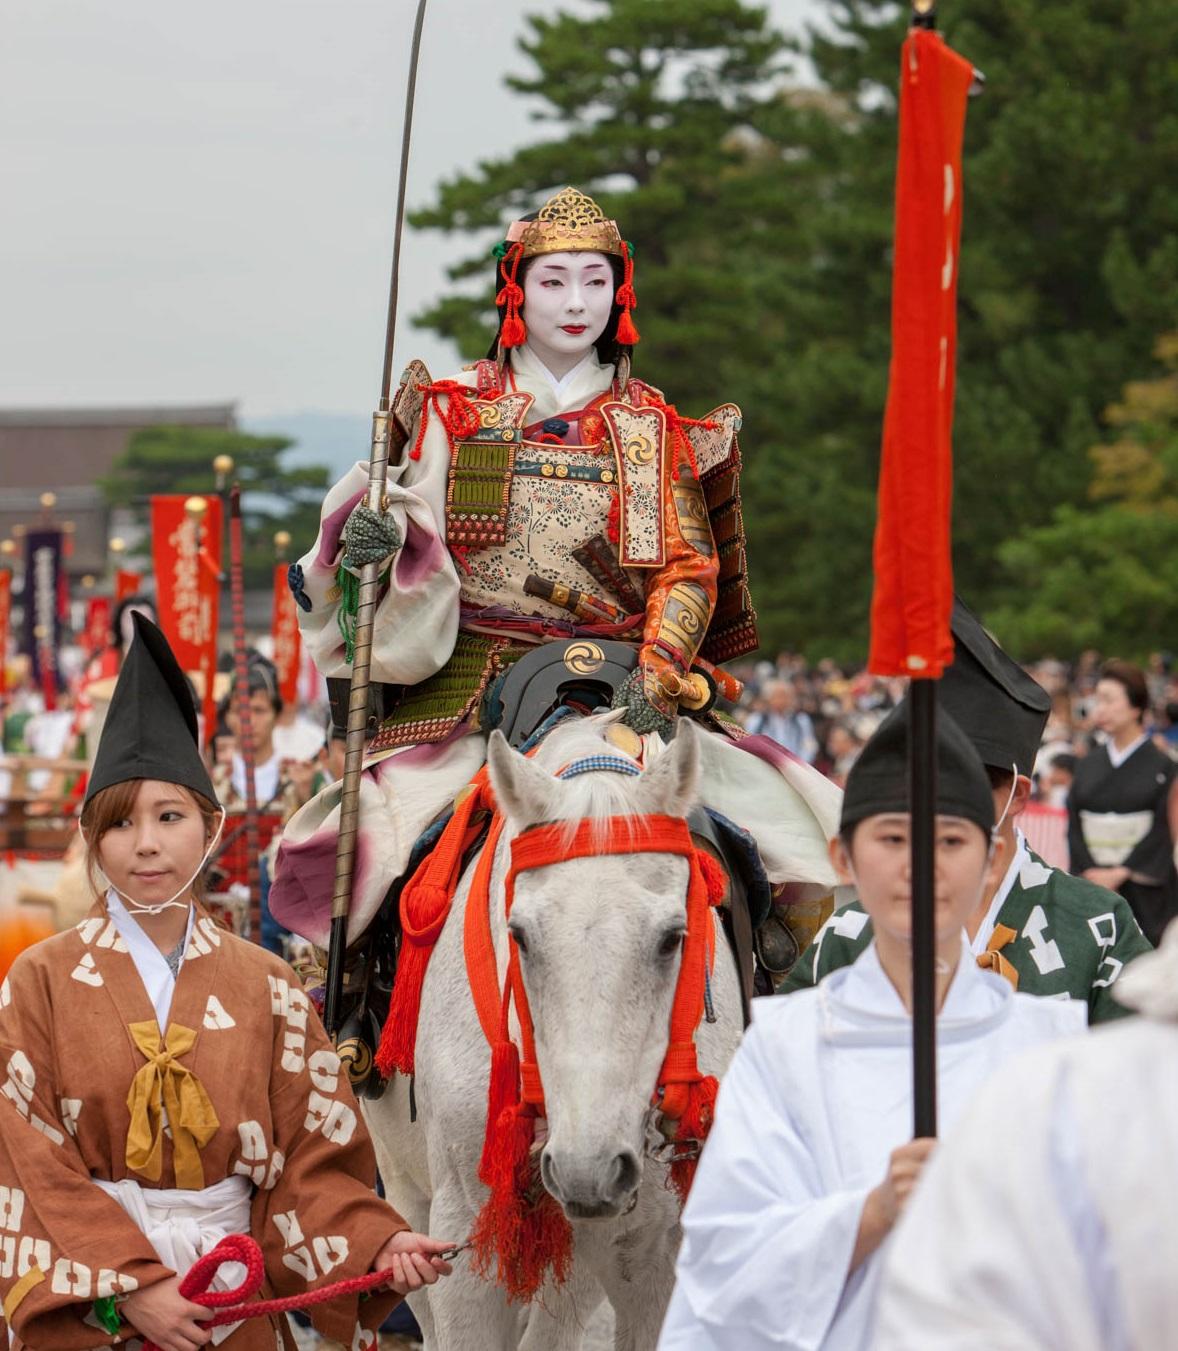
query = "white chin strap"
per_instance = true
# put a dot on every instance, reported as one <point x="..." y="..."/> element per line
<point x="137" y="907"/>
<point x="1009" y="801"/>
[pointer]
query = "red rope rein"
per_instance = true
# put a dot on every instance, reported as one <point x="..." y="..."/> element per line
<point x="244" y="1250"/>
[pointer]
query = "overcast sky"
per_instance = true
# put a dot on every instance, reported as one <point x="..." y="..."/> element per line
<point x="197" y="200"/>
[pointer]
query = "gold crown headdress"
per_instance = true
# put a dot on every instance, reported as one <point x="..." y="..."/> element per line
<point x="569" y="222"/>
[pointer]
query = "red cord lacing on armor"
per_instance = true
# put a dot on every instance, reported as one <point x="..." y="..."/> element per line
<point x="460" y="417"/>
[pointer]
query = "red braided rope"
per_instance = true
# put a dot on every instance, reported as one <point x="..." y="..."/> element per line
<point x="243" y="1249"/>
<point x="460" y="418"/>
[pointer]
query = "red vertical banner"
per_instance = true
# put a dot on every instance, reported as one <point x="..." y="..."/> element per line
<point x="98" y="620"/>
<point x="186" y="554"/>
<point x="5" y="616"/>
<point x="285" y="632"/>
<point x="913" y="597"/>
<point x="127" y="583"/>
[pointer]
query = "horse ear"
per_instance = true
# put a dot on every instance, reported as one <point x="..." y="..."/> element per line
<point x="671" y="784"/>
<point x="523" y="791"/>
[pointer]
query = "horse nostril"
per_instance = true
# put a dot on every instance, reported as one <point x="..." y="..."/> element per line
<point x="624" y="1173"/>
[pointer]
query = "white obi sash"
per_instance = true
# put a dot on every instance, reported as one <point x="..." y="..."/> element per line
<point x="184" y="1225"/>
<point x="1112" y="836"/>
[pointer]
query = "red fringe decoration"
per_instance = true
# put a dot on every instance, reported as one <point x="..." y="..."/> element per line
<point x="513" y="332"/>
<point x="425" y="907"/>
<point x="628" y="300"/>
<point x="627" y="333"/>
<point x="521" y="1231"/>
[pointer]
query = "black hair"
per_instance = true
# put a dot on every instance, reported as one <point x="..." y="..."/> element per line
<point x="1132" y="681"/>
<point x="116" y="619"/>
<point x="263" y="679"/>
<point x="609" y="350"/>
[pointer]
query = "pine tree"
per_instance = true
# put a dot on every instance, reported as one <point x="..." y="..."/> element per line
<point x="1106" y="576"/>
<point x="169" y="459"/>
<point x="762" y="219"/>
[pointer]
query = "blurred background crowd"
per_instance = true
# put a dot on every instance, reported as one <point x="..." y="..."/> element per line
<point x="825" y="713"/>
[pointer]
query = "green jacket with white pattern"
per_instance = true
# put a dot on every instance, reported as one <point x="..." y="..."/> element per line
<point x="1073" y="938"/>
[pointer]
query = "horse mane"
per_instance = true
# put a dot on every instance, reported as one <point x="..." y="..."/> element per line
<point x="598" y="794"/>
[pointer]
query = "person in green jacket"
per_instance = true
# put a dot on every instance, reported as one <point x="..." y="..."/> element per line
<point x="1047" y="932"/>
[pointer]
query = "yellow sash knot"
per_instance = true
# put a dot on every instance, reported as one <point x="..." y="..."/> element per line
<point x="993" y="960"/>
<point x="162" y="1086"/>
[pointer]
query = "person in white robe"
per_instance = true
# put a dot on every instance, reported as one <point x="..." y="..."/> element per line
<point x="810" y="1161"/>
<point x="1050" y="1217"/>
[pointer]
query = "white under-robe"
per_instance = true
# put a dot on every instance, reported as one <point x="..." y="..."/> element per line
<point x="815" y="1100"/>
<point x="1049" y="1220"/>
<point x="157" y="976"/>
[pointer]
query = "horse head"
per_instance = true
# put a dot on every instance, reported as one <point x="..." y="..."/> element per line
<point x="600" y="941"/>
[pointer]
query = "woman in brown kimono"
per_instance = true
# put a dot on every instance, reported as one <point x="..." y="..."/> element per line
<point x="167" y="1084"/>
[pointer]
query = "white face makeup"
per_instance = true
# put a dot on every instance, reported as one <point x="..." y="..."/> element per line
<point x="567" y="302"/>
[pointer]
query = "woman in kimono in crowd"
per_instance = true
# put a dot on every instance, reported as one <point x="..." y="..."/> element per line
<point x="1049" y="1219"/>
<point x="809" y="1164"/>
<point x="1123" y="802"/>
<point x="544" y="493"/>
<point x="166" y="1083"/>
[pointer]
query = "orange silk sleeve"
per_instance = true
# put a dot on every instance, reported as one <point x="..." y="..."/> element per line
<point x="680" y="595"/>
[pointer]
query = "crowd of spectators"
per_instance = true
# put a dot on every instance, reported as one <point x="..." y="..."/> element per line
<point x="824" y="712"/>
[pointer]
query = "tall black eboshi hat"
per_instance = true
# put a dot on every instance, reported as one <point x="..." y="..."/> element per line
<point x="878" y="781"/>
<point x="991" y="698"/>
<point x="151" y="729"/>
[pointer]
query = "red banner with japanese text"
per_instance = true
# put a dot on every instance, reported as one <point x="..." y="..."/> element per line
<point x="127" y="583"/>
<point x="98" y="620"/>
<point x="5" y="616"/>
<point x="285" y="632"/>
<point x="186" y="554"/>
<point x="913" y="597"/>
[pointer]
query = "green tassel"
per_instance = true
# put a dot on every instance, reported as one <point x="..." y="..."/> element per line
<point x="106" y="1313"/>
<point x="349" y="608"/>
<point x="500" y="250"/>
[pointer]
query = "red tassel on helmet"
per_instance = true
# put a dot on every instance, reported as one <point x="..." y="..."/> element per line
<point x="513" y="332"/>
<point x="627" y="334"/>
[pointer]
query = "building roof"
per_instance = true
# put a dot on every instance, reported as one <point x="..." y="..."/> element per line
<point x="187" y="415"/>
<point x="70" y="447"/>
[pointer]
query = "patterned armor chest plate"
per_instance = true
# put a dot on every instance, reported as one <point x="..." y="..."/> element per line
<point x="559" y="497"/>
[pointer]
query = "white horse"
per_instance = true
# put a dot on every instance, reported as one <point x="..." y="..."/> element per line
<point x="602" y="938"/>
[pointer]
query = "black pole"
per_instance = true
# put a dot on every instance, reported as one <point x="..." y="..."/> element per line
<point x="369" y="584"/>
<point x="922" y="778"/>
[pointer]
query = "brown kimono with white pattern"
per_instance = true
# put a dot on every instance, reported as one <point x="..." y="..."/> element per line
<point x="285" y="1118"/>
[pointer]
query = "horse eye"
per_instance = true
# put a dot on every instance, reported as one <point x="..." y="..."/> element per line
<point x="670" y="942"/>
<point x="518" y="934"/>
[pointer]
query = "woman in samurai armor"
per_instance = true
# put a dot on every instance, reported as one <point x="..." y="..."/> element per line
<point x="542" y="494"/>
<point x="166" y="1084"/>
